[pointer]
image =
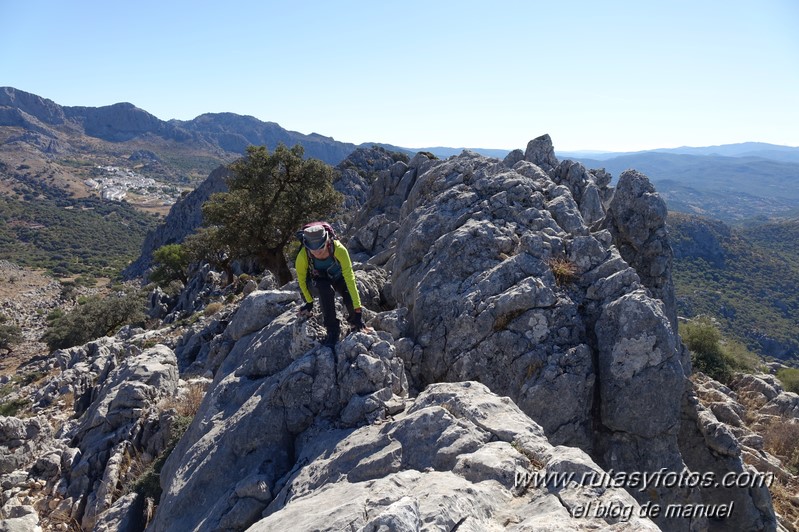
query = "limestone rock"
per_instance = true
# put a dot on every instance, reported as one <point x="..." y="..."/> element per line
<point x="275" y="387"/>
<point x="459" y="457"/>
<point x="258" y="309"/>
<point x="637" y="219"/>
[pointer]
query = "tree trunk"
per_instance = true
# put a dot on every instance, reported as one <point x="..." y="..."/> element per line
<point x="275" y="262"/>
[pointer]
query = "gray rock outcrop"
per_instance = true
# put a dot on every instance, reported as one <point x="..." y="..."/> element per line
<point x="271" y="388"/>
<point x="459" y="457"/>
<point x="637" y="219"/>
<point x="83" y="464"/>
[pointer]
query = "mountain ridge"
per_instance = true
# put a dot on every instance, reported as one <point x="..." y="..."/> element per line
<point x="53" y="113"/>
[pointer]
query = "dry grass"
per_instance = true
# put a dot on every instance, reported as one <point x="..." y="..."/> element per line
<point x="781" y="438"/>
<point x="187" y="402"/>
<point x="212" y="308"/>
<point x="783" y="496"/>
<point x="564" y="270"/>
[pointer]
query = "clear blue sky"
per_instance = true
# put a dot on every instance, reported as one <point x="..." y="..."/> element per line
<point x="611" y="75"/>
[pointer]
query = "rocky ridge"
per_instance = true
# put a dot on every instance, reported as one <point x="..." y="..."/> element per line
<point x="525" y="326"/>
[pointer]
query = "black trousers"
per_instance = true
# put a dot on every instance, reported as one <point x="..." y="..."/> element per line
<point x="326" y="289"/>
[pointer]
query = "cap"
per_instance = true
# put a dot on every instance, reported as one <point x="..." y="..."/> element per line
<point x="314" y="237"/>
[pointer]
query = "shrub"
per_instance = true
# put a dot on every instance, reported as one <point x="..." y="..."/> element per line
<point x="13" y="407"/>
<point x="149" y="482"/>
<point x="187" y="403"/>
<point x="93" y="318"/>
<point x="171" y="264"/>
<point x="212" y="308"/>
<point x="186" y="406"/>
<point x="10" y="334"/>
<point x="790" y="379"/>
<point x="779" y="438"/>
<point x="713" y="355"/>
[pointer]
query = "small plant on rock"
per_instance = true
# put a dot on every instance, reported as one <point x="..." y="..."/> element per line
<point x="564" y="270"/>
<point x="212" y="308"/>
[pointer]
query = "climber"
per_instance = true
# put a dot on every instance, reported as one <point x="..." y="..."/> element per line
<point x="323" y="267"/>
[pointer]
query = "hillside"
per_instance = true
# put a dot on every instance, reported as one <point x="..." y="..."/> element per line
<point x="72" y="236"/>
<point x="746" y="279"/>
<point x="779" y="237"/>
<point x="76" y="182"/>
<point x="66" y="145"/>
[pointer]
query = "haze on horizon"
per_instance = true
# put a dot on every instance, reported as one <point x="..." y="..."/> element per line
<point x="611" y="76"/>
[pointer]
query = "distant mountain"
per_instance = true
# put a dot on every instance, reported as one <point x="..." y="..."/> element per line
<point x="218" y="134"/>
<point x="744" y="149"/>
<point x="589" y="154"/>
<point x="733" y="189"/>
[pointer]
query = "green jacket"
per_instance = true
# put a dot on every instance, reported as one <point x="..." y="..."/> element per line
<point x="342" y="256"/>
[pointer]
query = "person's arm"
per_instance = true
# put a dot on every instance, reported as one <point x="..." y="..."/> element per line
<point x="301" y="265"/>
<point x="343" y="258"/>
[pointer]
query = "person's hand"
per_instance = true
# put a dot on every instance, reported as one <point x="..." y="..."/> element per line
<point x="356" y="320"/>
<point x="305" y="311"/>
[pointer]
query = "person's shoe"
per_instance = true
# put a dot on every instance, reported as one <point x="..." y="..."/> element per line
<point x="331" y="339"/>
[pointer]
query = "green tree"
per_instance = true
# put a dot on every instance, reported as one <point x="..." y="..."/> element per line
<point x="208" y="245"/>
<point x="269" y="197"/>
<point x="94" y="317"/>
<point x="10" y="334"/>
<point x="171" y="264"/>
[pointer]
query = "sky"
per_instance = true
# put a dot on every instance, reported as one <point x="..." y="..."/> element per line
<point x="612" y="75"/>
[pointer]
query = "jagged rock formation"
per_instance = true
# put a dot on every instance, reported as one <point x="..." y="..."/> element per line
<point x="452" y="460"/>
<point x="275" y="389"/>
<point x="524" y="326"/>
<point x="473" y="264"/>
<point x="113" y="386"/>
